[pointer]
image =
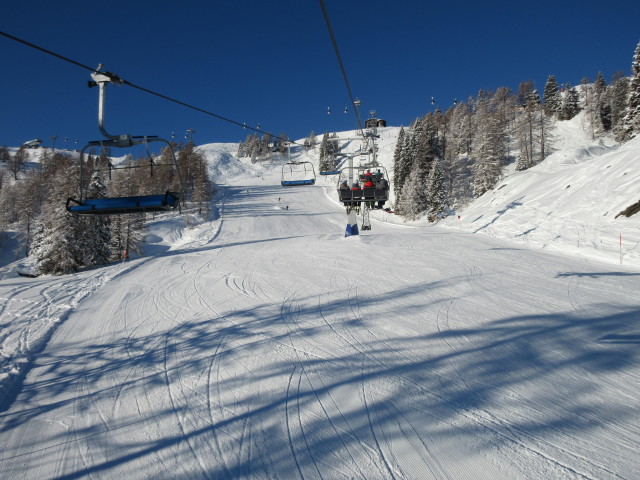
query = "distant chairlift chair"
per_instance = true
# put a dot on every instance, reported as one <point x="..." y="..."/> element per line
<point x="298" y="173"/>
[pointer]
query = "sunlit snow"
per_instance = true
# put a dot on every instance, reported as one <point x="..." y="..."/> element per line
<point x="501" y="343"/>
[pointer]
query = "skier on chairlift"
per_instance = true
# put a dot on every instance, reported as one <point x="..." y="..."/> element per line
<point x="345" y="187"/>
<point x="369" y="184"/>
<point x="382" y="185"/>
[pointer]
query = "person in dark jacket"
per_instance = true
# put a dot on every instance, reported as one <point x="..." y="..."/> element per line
<point x="344" y="187"/>
<point x="382" y="185"/>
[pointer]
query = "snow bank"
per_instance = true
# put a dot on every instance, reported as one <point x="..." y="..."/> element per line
<point x="568" y="203"/>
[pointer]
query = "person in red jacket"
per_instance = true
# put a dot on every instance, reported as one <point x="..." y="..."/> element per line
<point x="369" y="184"/>
<point x="356" y="186"/>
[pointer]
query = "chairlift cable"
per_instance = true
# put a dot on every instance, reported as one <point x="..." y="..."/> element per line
<point x="344" y="72"/>
<point x="116" y="79"/>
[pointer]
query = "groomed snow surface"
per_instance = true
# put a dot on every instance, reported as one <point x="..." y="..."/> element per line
<point x="261" y="343"/>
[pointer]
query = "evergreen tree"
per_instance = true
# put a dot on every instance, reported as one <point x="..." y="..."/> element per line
<point x="631" y="121"/>
<point x="328" y="149"/>
<point x="590" y="106"/>
<point x="551" y="97"/>
<point x="489" y="149"/>
<point x="397" y="158"/>
<point x="602" y="104"/>
<point x="55" y="244"/>
<point x="412" y="197"/>
<point x="29" y="201"/>
<point x="619" y="92"/>
<point x="570" y="103"/>
<point x="326" y="162"/>
<point x="264" y="148"/>
<point x="282" y="143"/>
<point x="310" y="141"/>
<point x="428" y="147"/>
<point x="455" y="164"/>
<point x="241" y="149"/>
<point x="436" y="192"/>
<point x="403" y="171"/>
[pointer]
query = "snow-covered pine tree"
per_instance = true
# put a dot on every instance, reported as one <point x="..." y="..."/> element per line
<point x="29" y="199"/>
<point x="428" y="148"/>
<point x="570" y="103"/>
<point x="618" y="94"/>
<point x="282" y="142"/>
<point x="412" y="197"/>
<point x="489" y="148"/>
<point x="56" y="246"/>
<point x="241" y="149"/>
<point x="397" y="157"/>
<point x="602" y="104"/>
<point x="551" y="97"/>
<point x="589" y="107"/>
<point x="436" y="191"/>
<point x="631" y="121"/>
<point x="264" y="147"/>
<point x="310" y="141"/>
<point x="402" y="172"/>
<point x="326" y="162"/>
<point x="250" y="146"/>
<point x="463" y="127"/>
<point x="455" y="162"/>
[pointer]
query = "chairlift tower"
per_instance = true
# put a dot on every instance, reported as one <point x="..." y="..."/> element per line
<point x="366" y="221"/>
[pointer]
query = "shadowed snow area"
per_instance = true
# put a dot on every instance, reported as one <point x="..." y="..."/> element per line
<point x="261" y="343"/>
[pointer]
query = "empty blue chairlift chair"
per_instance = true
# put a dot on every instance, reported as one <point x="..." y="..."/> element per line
<point x="161" y="202"/>
<point x="298" y="173"/>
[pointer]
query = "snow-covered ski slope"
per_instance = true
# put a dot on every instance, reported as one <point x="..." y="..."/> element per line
<point x="263" y="344"/>
<point x="569" y="202"/>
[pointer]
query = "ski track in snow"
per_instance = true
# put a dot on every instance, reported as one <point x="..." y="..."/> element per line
<point x="264" y="345"/>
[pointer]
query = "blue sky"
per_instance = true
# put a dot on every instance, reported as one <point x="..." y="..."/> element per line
<point x="272" y="63"/>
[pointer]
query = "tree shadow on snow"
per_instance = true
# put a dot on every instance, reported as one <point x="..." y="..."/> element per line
<point x="263" y="380"/>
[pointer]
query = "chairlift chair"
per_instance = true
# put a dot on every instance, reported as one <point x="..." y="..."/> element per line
<point x="160" y="202"/>
<point x="298" y="173"/>
<point x="378" y="194"/>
